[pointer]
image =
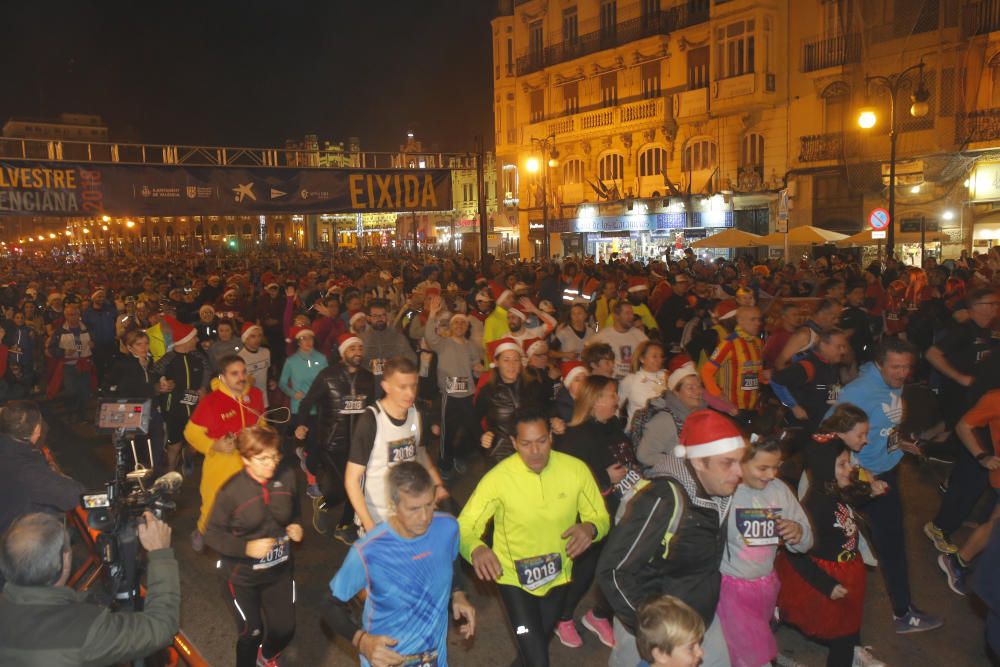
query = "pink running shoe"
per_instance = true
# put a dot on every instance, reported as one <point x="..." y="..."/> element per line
<point x="567" y="634"/>
<point x="600" y="627"/>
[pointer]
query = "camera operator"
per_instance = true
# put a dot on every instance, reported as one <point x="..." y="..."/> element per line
<point x="28" y="482"/>
<point x="45" y="624"/>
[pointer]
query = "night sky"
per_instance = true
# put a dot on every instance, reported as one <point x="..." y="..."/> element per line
<point x="255" y="73"/>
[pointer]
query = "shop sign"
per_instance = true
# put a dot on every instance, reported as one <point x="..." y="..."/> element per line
<point x="643" y="223"/>
<point x="985" y="182"/>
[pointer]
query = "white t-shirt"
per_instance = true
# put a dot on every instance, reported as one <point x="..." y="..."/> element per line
<point x="257" y="364"/>
<point x="571" y="343"/>
<point x="623" y="344"/>
<point x="637" y="388"/>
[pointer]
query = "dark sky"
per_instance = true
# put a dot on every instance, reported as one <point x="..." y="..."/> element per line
<point x="254" y="73"/>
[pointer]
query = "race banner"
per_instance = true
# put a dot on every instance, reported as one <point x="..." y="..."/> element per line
<point x="83" y="190"/>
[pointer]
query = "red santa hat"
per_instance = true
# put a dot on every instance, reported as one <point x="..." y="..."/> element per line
<point x="272" y="284"/>
<point x="231" y="290"/>
<point x="637" y="284"/>
<point x="299" y="332"/>
<point x="516" y="312"/>
<point x="179" y="332"/>
<point x="360" y="315"/>
<point x="533" y="346"/>
<point x="726" y="309"/>
<point x="248" y="329"/>
<point x="501" y="345"/>
<point x="708" y="433"/>
<point x="679" y="368"/>
<point x="99" y="290"/>
<point x="346" y="340"/>
<point x="572" y="369"/>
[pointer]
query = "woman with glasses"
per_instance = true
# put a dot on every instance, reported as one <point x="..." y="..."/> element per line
<point x="253" y="522"/>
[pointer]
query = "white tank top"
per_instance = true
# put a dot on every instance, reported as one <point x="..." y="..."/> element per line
<point x="393" y="444"/>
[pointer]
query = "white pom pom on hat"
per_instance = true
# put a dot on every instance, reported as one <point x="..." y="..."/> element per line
<point x="708" y="433"/>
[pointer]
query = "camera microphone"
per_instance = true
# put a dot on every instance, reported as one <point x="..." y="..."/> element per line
<point x="169" y="483"/>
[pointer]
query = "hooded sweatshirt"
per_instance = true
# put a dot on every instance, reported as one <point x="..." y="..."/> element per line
<point x="884" y="406"/>
<point x="660" y="434"/>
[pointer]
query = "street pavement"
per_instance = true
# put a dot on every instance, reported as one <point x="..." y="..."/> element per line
<point x="210" y="625"/>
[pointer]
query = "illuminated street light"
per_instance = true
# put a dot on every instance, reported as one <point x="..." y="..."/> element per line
<point x="105" y="219"/>
<point x="68" y="233"/>
<point x="86" y="231"/>
<point x="948" y="215"/>
<point x="129" y="224"/>
<point x="867" y="118"/>
<point x="532" y="165"/>
<point x="51" y="235"/>
<point x="104" y="227"/>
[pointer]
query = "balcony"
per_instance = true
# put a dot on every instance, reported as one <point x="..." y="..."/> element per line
<point x="981" y="18"/>
<point x="750" y="178"/>
<point x="820" y="147"/>
<point x="657" y="23"/>
<point x="619" y="117"/>
<point x="977" y="126"/>
<point x="831" y="52"/>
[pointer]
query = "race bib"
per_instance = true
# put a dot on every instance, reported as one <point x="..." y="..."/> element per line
<point x="402" y="450"/>
<point x="279" y="553"/>
<point x="425" y="659"/>
<point x="892" y="317"/>
<point x="457" y="385"/>
<point x="628" y="483"/>
<point x="833" y="393"/>
<point x="758" y="525"/>
<point x="750" y="382"/>
<point x="892" y="440"/>
<point x="538" y="571"/>
<point x="353" y="404"/>
<point x="982" y="354"/>
<point x="190" y="398"/>
<point x="377" y="365"/>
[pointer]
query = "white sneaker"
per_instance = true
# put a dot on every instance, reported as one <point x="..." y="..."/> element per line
<point x="863" y="658"/>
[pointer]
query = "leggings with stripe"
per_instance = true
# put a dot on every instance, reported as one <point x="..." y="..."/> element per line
<point x="264" y="611"/>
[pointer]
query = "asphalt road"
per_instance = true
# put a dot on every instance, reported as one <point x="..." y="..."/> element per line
<point x="208" y="622"/>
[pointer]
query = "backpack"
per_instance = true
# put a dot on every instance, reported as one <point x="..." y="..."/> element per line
<point x="642" y="417"/>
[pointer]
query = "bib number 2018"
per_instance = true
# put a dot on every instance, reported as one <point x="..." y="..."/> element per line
<point x="535" y="572"/>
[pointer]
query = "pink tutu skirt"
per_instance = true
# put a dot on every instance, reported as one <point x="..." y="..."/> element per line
<point x="746" y="607"/>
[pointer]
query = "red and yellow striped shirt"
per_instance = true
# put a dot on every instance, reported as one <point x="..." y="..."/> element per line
<point x="733" y="372"/>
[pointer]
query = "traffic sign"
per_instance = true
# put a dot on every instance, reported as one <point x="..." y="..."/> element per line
<point x="878" y="219"/>
<point x="878" y="234"/>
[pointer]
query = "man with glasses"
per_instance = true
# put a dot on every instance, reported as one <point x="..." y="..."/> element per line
<point x="383" y="342"/>
<point x="960" y="356"/>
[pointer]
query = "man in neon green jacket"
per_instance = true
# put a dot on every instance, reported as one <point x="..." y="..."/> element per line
<point x="534" y="498"/>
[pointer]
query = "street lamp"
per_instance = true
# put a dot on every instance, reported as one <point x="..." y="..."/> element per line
<point x="867" y="118"/>
<point x="547" y="147"/>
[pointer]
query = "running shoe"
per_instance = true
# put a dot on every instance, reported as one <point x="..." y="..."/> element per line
<point x="301" y="453"/>
<point x="863" y="658"/>
<point x="567" y="634"/>
<point x="955" y="572"/>
<point x="941" y="543"/>
<point x="313" y="491"/>
<point x="346" y="533"/>
<point x="197" y="541"/>
<point x="600" y="627"/>
<point x="264" y="662"/>
<point x="320" y="520"/>
<point x="916" y="621"/>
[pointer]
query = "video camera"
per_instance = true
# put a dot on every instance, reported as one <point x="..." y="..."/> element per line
<point x="115" y="513"/>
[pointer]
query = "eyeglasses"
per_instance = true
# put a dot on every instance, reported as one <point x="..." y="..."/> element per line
<point x="990" y="304"/>
<point x="264" y="458"/>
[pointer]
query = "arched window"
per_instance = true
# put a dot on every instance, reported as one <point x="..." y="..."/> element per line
<point x="247" y="230"/>
<point x="652" y="161"/>
<point x="230" y="229"/>
<point x="573" y="171"/>
<point x="170" y="231"/>
<point x="700" y="154"/>
<point x="279" y="230"/>
<point x="215" y="231"/>
<point x="836" y="101"/>
<point x="199" y="230"/>
<point x="611" y="167"/>
<point x="752" y="151"/>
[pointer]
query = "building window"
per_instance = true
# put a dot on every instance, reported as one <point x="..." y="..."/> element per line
<point x="573" y="171"/>
<point x="752" y="151"/>
<point x="836" y="98"/>
<point x="611" y="167"/>
<point x="609" y="19"/>
<point x="571" y="26"/>
<point x="650" y="8"/>
<point x="735" y="44"/>
<point x="510" y="181"/>
<point x="699" y="155"/>
<point x="697" y="65"/>
<point x="650" y="80"/>
<point x="537" y="105"/>
<point x="609" y="89"/>
<point x="510" y="56"/>
<point x="571" y="98"/>
<point x="536" y="41"/>
<point x="652" y="161"/>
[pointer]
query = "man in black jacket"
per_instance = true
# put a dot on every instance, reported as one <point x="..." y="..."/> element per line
<point x="671" y="539"/>
<point x="340" y="393"/>
<point x="27" y="481"/>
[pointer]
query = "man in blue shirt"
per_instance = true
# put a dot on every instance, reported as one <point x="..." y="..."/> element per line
<point x="878" y="390"/>
<point x="408" y="568"/>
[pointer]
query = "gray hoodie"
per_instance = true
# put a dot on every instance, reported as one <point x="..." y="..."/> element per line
<point x="455" y="359"/>
<point x="660" y="434"/>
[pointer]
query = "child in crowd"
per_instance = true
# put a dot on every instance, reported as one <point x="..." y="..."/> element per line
<point x="764" y="513"/>
<point x="823" y="592"/>
<point x="669" y="633"/>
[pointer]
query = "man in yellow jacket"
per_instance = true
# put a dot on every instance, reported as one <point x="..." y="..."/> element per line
<point x="534" y="498"/>
<point x="231" y="406"/>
